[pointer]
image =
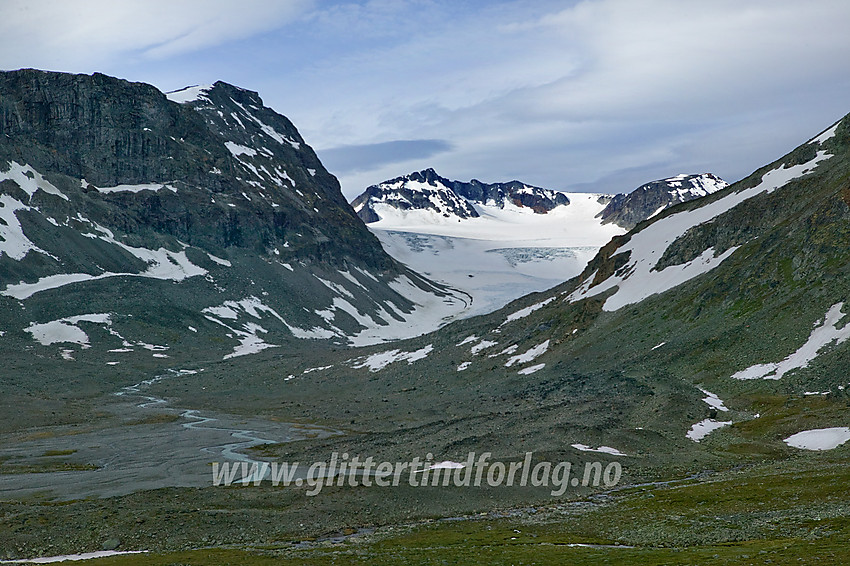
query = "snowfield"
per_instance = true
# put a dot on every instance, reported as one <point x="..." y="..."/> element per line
<point x="502" y="255"/>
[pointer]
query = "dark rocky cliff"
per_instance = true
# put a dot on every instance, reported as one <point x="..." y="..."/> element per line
<point x="199" y="219"/>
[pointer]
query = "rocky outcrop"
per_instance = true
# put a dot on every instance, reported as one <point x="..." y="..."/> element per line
<point x="627" y="210"/>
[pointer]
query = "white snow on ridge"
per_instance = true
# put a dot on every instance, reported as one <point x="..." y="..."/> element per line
<point x="531" y="369"/>
<point x="136" y="188"/>
<point x="29" y="180"/>
<point x="188" y="94"/>
<point x="638" y="279"/>
<point x="824" y="334"/>
<point x="819" y="439"/>
<point x="828" y="134"/>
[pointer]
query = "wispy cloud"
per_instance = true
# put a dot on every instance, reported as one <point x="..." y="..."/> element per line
<point x="561" y="94"/>
<point x="79" y="35"/>
<point x="357" y="158"/>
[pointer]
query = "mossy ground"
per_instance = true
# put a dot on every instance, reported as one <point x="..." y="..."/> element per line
<point x="790" y="512"/>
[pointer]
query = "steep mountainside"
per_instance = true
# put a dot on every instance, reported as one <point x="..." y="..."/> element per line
<point x="132" y="224"/>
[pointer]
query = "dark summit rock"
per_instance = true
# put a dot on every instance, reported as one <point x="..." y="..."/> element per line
<point x="627" y="210"/>
<point x="112" y="132"/>
<point x="426" y="190"/>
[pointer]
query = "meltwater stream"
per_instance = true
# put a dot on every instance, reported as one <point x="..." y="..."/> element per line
<point x="143" y="452"/>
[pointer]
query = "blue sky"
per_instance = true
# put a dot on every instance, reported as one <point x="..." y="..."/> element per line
<point x="595" y="95"/>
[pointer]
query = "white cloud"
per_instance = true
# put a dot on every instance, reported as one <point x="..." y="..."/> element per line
<point x="606" y="89"/>
<point x="601" y="94"/>
<point x="86" y="34"/>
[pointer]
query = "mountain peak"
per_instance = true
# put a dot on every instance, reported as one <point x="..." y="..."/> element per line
<point x="650" y="199"/>
<point x="114" y="197"/>
<point x="440" y="197"/>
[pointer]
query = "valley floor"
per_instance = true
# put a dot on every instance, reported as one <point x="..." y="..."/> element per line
<point x="774" y="513"/>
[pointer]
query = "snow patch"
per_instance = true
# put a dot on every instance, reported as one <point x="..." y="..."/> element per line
<point x="249" y="339"/>
<point x="238" y="150"/>
<point x="483" y="345"/>
<point x="713" y="400"/>
<point x="819" y="438"/>
<point x="529" y="355"/>
<point x="377" y="362"/>
<point x="137" y="188"/>
<point x="531" y="369"/>
<point x="30" y="180"/>
<point x="506" y="352"/>
<point x="702" y="429"/>
<point x="66" y="329"/>
<point x="601" y="449"/>
<point x="13" y="241"/>
<point x="522" y="313"/>
<point x="219" y="261"/>
<point x="823" y="335"/>
<point x="162" y="264"/>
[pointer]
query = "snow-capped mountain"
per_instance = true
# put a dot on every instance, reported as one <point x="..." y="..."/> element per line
<point x="427" y="195"/>
<point x="500" y="241"/>
<point x="135" y="225"/>
<point x="628" y="209"/>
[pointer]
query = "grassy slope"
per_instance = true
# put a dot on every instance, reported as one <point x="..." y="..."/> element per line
<point x="764" y="514"/>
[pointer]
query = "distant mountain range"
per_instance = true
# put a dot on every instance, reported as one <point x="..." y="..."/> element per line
<point x="425" y="196"/>
<point x="500" y="241"/>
